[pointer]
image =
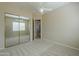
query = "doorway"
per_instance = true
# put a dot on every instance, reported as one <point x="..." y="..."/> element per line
<point x="37" y="29"/>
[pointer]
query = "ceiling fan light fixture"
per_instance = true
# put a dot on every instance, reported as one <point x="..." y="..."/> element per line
<point x="41" y="10"/>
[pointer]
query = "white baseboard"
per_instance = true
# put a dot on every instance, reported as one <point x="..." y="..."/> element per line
<point x="62" y="44"/>
<point x="65" y="45"/>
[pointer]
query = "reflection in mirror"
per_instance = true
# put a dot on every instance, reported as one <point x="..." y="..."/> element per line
<point x="16" y="30"/>
<point x="24" y="30"/>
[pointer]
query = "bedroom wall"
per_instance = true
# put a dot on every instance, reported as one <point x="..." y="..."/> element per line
<point x="62" y="25"/>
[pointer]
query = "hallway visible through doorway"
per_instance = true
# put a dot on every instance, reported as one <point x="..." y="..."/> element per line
<point x="37" y="29"/>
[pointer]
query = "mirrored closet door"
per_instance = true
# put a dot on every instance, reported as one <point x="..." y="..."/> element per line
<point x="24" y="30"/>
<point x="16" y="30"/>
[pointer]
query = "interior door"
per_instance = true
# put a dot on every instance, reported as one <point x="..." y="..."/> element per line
<point x="11" y="30"/>
<point x="17" y="30"/>
<point x="24" y="30"/>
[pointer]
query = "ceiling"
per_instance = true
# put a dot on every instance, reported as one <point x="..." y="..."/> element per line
<point x="37" y="6"/>
<point x="52" y="5"/>
<point x="46" y="6"/>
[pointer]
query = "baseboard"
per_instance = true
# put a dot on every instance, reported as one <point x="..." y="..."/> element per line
<point x="62" y="44"/>
<point x="66" y="45"/>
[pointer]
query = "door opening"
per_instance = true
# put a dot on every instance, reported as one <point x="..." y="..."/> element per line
<point x="37" y="29"/>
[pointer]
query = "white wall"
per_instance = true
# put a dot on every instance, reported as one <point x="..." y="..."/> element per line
<point x="2" y="31"/>
<point x="62" y="25"/>
<point x="37" y="15"/>
<point x="16" y="10"/>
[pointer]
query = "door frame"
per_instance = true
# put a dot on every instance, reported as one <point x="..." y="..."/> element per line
<point x="34" y="28"/>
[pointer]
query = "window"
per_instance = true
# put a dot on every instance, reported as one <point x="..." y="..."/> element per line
<point x="18" y="26"/>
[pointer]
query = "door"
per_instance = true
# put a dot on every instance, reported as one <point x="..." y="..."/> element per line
<point x="11" y="30"/>
<point x="17" y="30"/>
<point x="24" y="30"/>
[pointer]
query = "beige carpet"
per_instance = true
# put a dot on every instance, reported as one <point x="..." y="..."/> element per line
<point x="39" y="48"/>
